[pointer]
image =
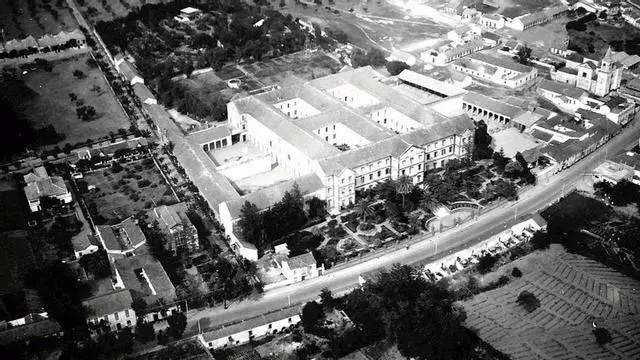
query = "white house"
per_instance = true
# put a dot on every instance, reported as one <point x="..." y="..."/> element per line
<point x="39" y="184"/>
<point x="301" y="267"/>
<point x="84" y="244"/>
<point x="250" y="329"/>
<point x="121" y="239"/>
<point x="114" y="308"/>
<point x="188" y="14"/>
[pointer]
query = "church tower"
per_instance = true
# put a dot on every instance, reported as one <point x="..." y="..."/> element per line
<point x="605" y="74"/>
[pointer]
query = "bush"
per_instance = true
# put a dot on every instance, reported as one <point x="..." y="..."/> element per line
<point x="366" y="226"/>
<point x="486" y="263"/>
<point x="528" y="301"/>
<point x="143" y="183"/>
<point x="516" y="272"/>
<point x="602" y="335"/>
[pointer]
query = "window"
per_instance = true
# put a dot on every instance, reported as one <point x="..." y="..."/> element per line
<point x="270" y="326"/>
<point x="403" y="171"/>
<point x="334" y="126"/>
<point x="318" y="131"/>
<point x="361" y="179"/>
<point x="435" y="154"/>
<point x="419" y="166"/>
<point x="270" y="143"/>
<point x="379" y="173"/>
<point x="370" y="176"/>
<point x="428" y="156"/>
<point x="326" y="129"/>
<point x="342" y="181"/>
<point x="387" y="161"/>
<point x="450" y="148"/>
<point x="119" y="326"/>
<point x="442" y="152"/>
<point x="128" y="322"/>
<point x="329" y="189"/>
<point x="334" y="136"/>
<point x="250" y="332"/>
<point x="117" y="317"/>
<point x="126" y="313"/>
<point x="289" y="319"/>
<point x="326" y="138"/>
<point x="386" y="171"/>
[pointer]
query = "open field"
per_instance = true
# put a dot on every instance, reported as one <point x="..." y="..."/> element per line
<point x="18" y="20"/>
<point x="381" y="24"/>
<point x="544" y="36"/>
<point x="574" y="292"/>
<point x="118" y="195"/>
<point x="508" y="8"/>
<point x="49" y="103"/>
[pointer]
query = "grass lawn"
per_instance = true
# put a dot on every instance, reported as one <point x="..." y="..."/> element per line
<point x="123" y="194"/>
<point x="596" y="39"/>
<point x="50" y="104"/>
<point x="17" y="258"/>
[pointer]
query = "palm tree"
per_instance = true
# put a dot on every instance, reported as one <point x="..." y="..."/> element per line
<point x="404" y="185"/>
<point x="363" y="209"/>
<point x="427" y="201"/>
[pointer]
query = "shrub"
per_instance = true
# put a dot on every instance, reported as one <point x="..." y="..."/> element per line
<point x="516" y="272"/>
<point x="602" y="335"/>
<point x="366" y="226"/>
<point x="528" y="301"/>
<point x="332" y="223"/>
<point x="143" y="183"/>
<point x="486" y="263"/>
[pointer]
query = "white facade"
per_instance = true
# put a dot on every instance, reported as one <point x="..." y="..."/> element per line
<point x="88" y="250"/>
<point x="117" y="320"/>
<point x="241" y="335"/>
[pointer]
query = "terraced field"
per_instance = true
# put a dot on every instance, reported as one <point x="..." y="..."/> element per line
<point x="574" y="292"/>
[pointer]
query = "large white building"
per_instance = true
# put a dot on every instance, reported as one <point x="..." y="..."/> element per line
<point x="335" y="135"/>
<point x="39" y="185"/>
<point x="596" y="77"/>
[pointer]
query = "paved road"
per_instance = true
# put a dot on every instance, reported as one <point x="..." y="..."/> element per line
<point x="537" y="198"/>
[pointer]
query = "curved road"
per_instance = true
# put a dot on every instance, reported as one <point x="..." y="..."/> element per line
<point x="341" y="280"/>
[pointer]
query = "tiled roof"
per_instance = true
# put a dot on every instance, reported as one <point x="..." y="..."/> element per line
<point x="301" y="261"/>
<point x="133" y="232"/>
<point x="502" y="62"/>
<point x="109" y="303"/>
<point x="354" y="121"/>
<point x="29" y="331"/>
<point x="561" y="88"/>
<point x="541" y="135"/>
<point x="630" y="159"/>
<point x="532" y="18"/>
<point x="454" y="126"/>
<point x="142" y="92"/>
<point x="158" y="278"/>
<point x="172" y="215"/>
<point x="127" y="70"/>
<point x="527" y="118"/>
<point x="567" y="70"/>
<point x="252" y="323"/>
<point x="429" y="83"/>
<point x="491" y="36"/>
<point x="376" y="151"/>
<point x="268" y="196"/>
<point x="492" y="104"/>
<point x="210" y="134"/>
<point x="51" y="186"/>
<point x="213" y="186"/>
<point x="109" y="237"/>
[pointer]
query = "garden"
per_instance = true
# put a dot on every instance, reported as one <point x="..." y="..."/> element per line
<point x="124" y="190"/>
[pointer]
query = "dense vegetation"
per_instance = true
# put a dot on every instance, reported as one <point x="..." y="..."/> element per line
<point x="225" y="33"/>
<point x="401" y="307"/>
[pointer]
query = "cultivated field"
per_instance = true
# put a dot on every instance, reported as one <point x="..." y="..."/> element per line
<point x="574" y="292"/>
<point x="49" y="102"/>
<point x="118" y="195"/>
<point x="19" y="20"/>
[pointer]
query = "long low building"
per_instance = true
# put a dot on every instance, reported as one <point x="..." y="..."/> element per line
<point x="498" y="70"/>
<point x="251" y="329"/>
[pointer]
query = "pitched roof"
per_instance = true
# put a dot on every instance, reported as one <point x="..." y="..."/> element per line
<point x="532" y="18"/>
<point x="40" y="184"/>
<point x="210" y="134"/>
<point x="28" y="331"/>
<point x="562" y="89"/>
<point x="109" y="303"/>
<point x="200" y="168"/>
<point x="266" y="197"/>
<point x="499" y="107"/>
<point x="501" y="61"/>
<point x="133" y="232"/>
<point x="124" y="236"/>
<point x="127" y="70"/>
<point x="158" y="284"/>
<point x="491" y="36"/>
<point x="252" y="323"/>
<point x="142" y="92"/>
<point x="169" y="216"/>
<point x="301" y="261"/>
<point x="429" y="83"/>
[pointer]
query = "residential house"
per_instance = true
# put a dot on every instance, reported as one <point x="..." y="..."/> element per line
<point x="632" y="160"/>
<point x="188" y="14"/>
<point x="492" y="21"/>
<point x="301" y="267"/>
<point x="85" y="244"/>
<point x="401" y="56"/>
<point x="597" y="77"/>
<point x="251" y="329"/>
<point x="446" y="51"/>
<point x="129" y="147"/>
<point x="146" y="279"/>
<point x="37" y="327"/>
<point x="121" y="239"/>
<point x="144" y="94"/>
<point x="173" y="221"/>
<point x="128" y="72"/>
<point x="39" y="185"/>
<point x="496" y="69"/>
<point x="566" y="97"/>
<point x="112" y="309"/>
<point x="613" y="172"/>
